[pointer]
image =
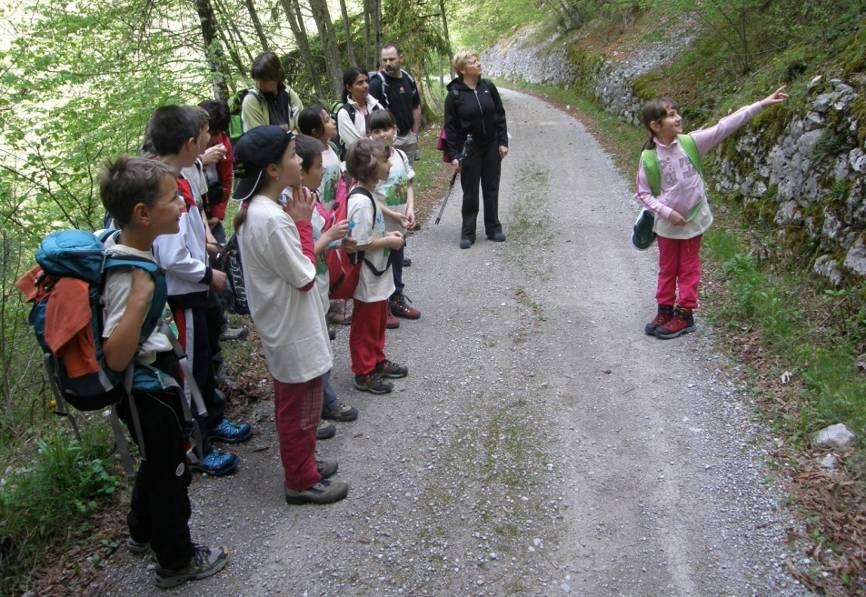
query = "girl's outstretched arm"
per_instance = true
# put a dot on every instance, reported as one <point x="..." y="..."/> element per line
<point x="709" y="138"/>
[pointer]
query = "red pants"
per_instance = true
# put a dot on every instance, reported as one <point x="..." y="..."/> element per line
<point x="298" y="409"/>
<point x="679" y="270"/>
<point x="367" y="335"/>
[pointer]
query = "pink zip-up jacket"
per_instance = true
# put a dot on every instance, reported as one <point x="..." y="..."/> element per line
<point x="681" y="182"/>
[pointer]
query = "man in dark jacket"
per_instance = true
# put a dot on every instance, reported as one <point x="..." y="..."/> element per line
<point x="473" y="106"/>
<point x="396" y="90"/>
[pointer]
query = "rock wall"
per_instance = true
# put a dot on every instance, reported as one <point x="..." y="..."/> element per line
<point x="811" y="167"/>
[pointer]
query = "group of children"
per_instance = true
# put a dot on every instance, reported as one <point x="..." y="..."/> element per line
<point x="285" y="225"/>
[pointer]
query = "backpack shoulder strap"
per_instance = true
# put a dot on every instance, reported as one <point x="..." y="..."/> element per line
<point x="690" y="148"/>
<point x="411" y="79"/>
<point x="650" y="160"/>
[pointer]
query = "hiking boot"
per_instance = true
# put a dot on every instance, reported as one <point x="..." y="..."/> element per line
<point x="341" y="412"/>
<point x="465" y="243"/>
<point x="234" y="334"/>
<point x="326" y="430"/>
<point x="392" y="323"/>
<point x="205" y="561"/>
<point x="230" y="433"/>
<point x="217" y="464"/>
<point x="373" y="383"/>
<point x="391" y="370"/>
<point x="497" y="237"/>
<point x="326" y="491"/>
<point x="407" y="262"/>
<point x="327" y="468"/>
<point x="681" y="323"/>
<point x="138" y="548"/>
<point x="399" y="305"/>
<point x="665" y="314"/>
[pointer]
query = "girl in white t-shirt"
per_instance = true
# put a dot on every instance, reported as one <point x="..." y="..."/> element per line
<point x="278" y="256"/>
<point x="367" y="162"/>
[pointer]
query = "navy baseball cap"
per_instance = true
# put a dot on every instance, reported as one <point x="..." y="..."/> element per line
<point x="258" y="147"/>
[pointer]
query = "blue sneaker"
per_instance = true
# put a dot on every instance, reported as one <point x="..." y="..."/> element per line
<point x="217" y="464"/>
<point x="230" y="433"/>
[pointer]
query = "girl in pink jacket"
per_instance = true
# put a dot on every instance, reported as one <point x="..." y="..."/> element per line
<point x="680" y="205"/>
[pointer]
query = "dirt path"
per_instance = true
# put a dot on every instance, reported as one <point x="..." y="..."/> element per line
<point x="541" y="445"/>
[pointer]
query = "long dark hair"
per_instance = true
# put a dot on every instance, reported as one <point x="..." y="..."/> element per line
<point x="654" y="111"/>
<point x="349" y="78"/>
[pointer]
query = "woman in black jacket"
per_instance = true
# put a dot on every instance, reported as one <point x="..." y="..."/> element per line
<point x="473" y="107"/>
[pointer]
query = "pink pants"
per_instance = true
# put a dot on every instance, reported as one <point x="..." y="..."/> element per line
<point x="679" y="271"/>
<point x="367" y="335"/>
<point x="298" y="409"/>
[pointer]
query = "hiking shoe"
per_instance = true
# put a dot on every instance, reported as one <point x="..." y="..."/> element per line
<point x="465" y="243"/>
<point x="665" y="314"/>
<point x="326" y="491"/>
<point x="217" y="464"/>
<point x="399" y="305"/>
<point x="392" y="323"/>
<point x="234" y="334"/>
<point x="497" y="237"/>
<point x="341" y="412"/>
<point x="407" y="262"/>
<point x="326" y="430"/>
<point x="391" y="370"/>
<point x="230" y="433"/>
<point x="373" y="383"/>
<point x="205" y="561"/>
<point x="327" y="468"/>
<point x="681" y="323"/>
<point x="138" y="548"/>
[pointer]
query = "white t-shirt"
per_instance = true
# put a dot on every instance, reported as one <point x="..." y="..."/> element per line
<point x="394" y="192"/>
<point x="371" y="288"/>
<point x="289" y="321"/>
<point x="332" y="168"/>
<point x="115" y="297"/>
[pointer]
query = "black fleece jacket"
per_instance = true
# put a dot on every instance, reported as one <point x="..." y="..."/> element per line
<point x="478" y="112"/>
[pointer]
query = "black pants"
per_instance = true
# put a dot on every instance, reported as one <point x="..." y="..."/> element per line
<point x="485" y="166"/>
<point x="396" y="258"/>
<point x="160" y="507"/>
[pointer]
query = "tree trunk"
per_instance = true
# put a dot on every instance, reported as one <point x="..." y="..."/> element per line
<point x="213" y="49"/>
<point x="368" y="32"/>
<point x="350" y="45"/>
<point x="296" y="22"/>
<point x="257" y="24"/>
<point x="447" y="35"/>
<point x="232" y="33"/>
<point x="377" y="32"/>
<point x="328" y="41"/>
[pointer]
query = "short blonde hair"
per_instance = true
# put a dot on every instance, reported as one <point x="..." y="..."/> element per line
<point x="460" y="59"/>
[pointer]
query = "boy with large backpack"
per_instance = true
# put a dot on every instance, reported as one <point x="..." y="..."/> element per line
<point x="177" y="135"/>
<point x="141" y="196"/>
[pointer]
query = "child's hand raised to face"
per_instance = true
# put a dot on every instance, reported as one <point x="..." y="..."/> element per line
<point x="777" y="97"/>
<point x="300" y="206"/>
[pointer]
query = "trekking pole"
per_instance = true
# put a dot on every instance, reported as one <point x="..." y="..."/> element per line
<point x="464" y="155"/>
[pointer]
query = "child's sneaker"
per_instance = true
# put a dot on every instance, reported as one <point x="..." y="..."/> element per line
<point x="399" y="306"/>
<point x="681" y="323"/>
<point x="327" y="468"/>
<point x="326" y="430"/>
<point x="205" y="561"/>
<point x="341" y="412"/>
<point x="391" y="370"/>
<point x="665" y="314"/>
<point x="230" y="432"/>
<point x="137" y="547"/>
<point x="326" y="491"/>
<point x="217" y="464"/>
<point x="373" y="383"/>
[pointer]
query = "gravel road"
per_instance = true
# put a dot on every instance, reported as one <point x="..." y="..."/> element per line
<point x="541" y="445"/>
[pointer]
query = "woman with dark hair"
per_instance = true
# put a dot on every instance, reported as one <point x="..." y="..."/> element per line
<point x="473" y="107"/>
<point x="218" y="161"/>
<point x="271" y="102"/>
<point x="357" y="105"/>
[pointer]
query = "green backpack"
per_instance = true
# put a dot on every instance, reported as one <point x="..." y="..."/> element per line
<point x="650" y="160"/>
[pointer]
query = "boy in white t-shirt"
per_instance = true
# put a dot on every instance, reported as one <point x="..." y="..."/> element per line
<point x="397" y="194"/>
<point x="141" y="197"/>
<point x="367" y="162"/>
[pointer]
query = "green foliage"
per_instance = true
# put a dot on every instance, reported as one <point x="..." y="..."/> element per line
<point x="56" y="493"/>
<point x="480" y="23"/>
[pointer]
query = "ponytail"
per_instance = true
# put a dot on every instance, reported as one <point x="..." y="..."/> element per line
<point x="241" y="216"/>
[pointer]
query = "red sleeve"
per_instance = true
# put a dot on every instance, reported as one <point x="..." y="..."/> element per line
<point x="225" y="171"/>
<point x="308" y="246"/>
<point x="185" y="192"/>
